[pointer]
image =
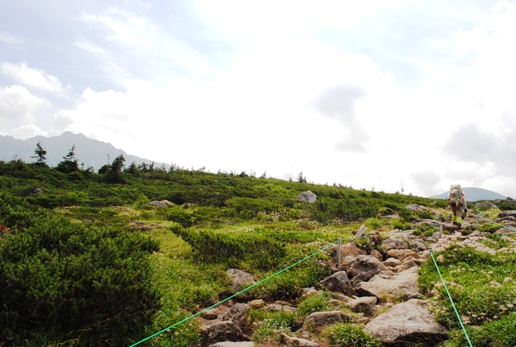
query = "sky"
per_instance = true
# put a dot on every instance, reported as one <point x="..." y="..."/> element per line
<point x="387" y="95"/>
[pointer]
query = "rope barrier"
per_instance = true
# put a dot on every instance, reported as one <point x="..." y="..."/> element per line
<point x="479" y="215"/>
<point x="302" y="260"/>
<point x="234" y="295"/>
<point x="451" y="300"/>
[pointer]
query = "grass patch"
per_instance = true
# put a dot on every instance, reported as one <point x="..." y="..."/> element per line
<point x="481" y="285"/>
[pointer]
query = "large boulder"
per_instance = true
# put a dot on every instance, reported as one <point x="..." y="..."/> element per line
<point x="307" y="196"/>
<point x="383" y="286"/>
<point x="407" y="323"/>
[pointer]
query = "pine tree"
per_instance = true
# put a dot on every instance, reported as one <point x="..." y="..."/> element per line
<point x="69" y="164"/>
<point x="40" y="155"/>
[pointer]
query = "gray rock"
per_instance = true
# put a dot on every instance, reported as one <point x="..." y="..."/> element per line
<point x="365" y="305"/>
<point x="390" y="286"/>
<point x="238" y="314"/>
<point x="221" y="332"/>
<point x="259" y="303"/>
<point x="307" y="196"/>
<point x="417" y="208"/>
<point x="210" y="314"/>
<point x="240" y="279"/>
<point x="233" y="344"/>
<point x="339" y="282"/>
<point x="162" y="203"/>
<point x="297" y="342"/>
<point x="317" y="321"/>
<point x="365" y="268"/>
<point x="392" y="262"/>
<point x="393" y="244"/>
<point x="407" y="323"/>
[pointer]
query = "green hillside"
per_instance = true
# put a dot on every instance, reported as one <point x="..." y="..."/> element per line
<point x="87" y="260"/>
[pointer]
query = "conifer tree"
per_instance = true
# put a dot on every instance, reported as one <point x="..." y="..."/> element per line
<point x="40" y="155"/>
<point x="69" y="164"/>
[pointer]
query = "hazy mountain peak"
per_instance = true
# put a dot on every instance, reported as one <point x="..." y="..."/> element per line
<point x="91" y="153"/>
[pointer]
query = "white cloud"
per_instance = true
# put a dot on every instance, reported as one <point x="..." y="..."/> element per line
<point x="268" y="18"/>
<point x="27" y="131"/>
<point x="18" y="105"/>
<point x="32" y="78"/>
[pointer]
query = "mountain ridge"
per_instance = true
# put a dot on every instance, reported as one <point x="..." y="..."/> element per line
<point x="474" y="194"/>
<point x="88" y="152"/>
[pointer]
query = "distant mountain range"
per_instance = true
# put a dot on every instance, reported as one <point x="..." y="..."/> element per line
<point x="91" y="153"/>
<point x="474" y="194"/>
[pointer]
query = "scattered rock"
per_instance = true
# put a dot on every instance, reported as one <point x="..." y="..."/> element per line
<point x="365" y="305"/>
<point x="339" y="282"/>
<point x="392" y="262"/>
<point x="240" y="279"/>
<point x="233" y="344"/>
<point x="162" y="203"/>
<point x="417" y="208"/>
<point x="317" y="321"/>
<point x="393" y="244"/>
<point x="238" y="314"/>
<point x="298" y="342"/>
<point x="210" y="314"/>
<point x="221" y="332"/>
<point x="259" y="303"/>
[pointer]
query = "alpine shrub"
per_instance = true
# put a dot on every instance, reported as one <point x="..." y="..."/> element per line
<point x="62" y="281"/>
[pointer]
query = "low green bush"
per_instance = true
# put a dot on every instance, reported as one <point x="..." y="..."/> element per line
<point x="314" y="303"/>
<point x="348" y="335"/>
<point x="270" y="325"/>
<point x="256" y="250"/>
<point x="179" y="215"/>
<point x="63" y="281"/>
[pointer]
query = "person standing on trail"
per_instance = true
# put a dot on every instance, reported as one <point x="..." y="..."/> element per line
<point x="457" y="202"/>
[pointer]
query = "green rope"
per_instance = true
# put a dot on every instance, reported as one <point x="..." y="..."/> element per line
<point x="505" y="226"/>
<point x="451" y="300"/>
<point x="234" y="295"/>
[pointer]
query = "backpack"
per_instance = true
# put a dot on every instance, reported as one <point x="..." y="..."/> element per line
<point x="455" y="194"/>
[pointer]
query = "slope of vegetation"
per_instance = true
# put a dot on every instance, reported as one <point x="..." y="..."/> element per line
<point x="90" y="246"/>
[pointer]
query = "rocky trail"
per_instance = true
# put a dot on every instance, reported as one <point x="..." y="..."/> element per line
<point x="379" y="288"/>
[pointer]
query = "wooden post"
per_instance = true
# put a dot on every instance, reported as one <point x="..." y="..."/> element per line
<point x="441" y="230"/>
<point x="337" y="260"/>
<point x="361" y="231"/>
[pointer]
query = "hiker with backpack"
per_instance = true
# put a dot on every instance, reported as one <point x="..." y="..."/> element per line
<point x="457" y="202"/>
